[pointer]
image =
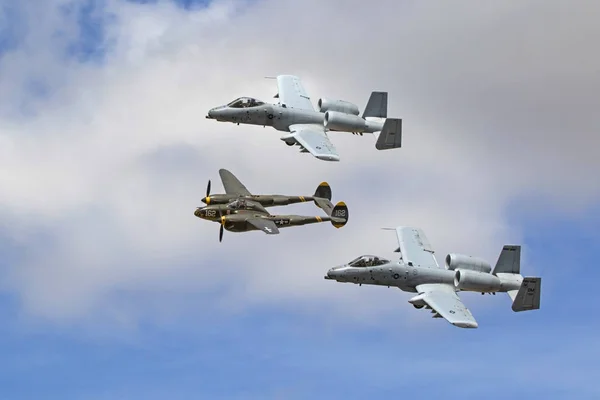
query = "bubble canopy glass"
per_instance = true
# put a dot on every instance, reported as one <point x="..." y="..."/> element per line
<point x="367" y="261"/>
<point x="245" y="102"/>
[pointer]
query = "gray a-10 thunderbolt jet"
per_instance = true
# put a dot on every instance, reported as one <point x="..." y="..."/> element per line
<point x="307" y="127"/>
<point x="417" y="271"/>
<point x="240" y="211"/>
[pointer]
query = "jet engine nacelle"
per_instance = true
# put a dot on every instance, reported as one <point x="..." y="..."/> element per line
<point x="460" y="261"/>
<point x="337" y="105"/>
<point x="337" y="121"/>
<point x="476" y="281"/>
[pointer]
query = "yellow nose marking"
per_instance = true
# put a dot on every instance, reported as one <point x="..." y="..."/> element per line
<point x="207" y="200"/>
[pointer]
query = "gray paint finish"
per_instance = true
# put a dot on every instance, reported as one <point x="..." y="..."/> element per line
<point x="308" y="126"/>
<point x="417" y="271"/>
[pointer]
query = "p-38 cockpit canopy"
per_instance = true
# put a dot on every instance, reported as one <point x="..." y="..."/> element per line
<point x="243" y="204"/>
<point x="245" y="102"/>
<point x="367" y="261"/>
<point x="238" y="204"/>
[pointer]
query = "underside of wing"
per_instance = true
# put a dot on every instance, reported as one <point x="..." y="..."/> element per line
<point x="265" y="225"/>
<point x="415" y="248"/>
<point x="232" y="184"/>
<point x="444" y="301"/>
<point x="292" y="93"/>
<point x="314" y="139"/>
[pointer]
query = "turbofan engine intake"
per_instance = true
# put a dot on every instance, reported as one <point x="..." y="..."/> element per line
<point x="337" y="121"/>
<point x="337" y="105"/>
<point x="460" y="261"/>
<point x="476" y="281"/>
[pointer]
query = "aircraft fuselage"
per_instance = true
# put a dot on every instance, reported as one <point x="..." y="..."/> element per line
<point x="236" y="220"/>
<point x="407" y="277"/>
<point x="278" y="117"/>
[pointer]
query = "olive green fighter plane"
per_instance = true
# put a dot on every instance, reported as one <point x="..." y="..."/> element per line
<point x="240" y="211"/>
<point x="235" y="189"/>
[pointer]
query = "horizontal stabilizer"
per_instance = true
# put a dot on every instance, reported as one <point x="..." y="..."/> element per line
<point x="391" y="135"/>
<point x="325" y="204"/>
<point x="528" y="296"/>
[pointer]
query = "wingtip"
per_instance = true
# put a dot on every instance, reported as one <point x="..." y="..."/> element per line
<point x="466" y="324"/>
<point x="328" y="158"/>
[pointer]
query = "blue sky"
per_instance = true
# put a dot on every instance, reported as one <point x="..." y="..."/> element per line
<point x="279" y="352"/>
<point x="283" y="351"/>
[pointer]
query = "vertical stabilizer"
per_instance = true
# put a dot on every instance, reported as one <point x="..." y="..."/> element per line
<point x="390" y="136"/>
<point x="377" y="105"/>
<point x="323" y="191"/>
<point x="339" y="215"/>
<point x="509" y="261"/>
<point x="528" y="296"/>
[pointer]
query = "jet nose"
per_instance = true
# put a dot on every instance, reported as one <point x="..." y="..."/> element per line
<point x="215" y="113"/>
<point x="199" y="213"/>
<point x="331" y="274"/>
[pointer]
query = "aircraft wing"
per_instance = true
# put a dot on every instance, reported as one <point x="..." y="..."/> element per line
<point x="232" y="184"/>
<point x="415" y="248"/>
<point x="442" y="298"/>
<point x="292" y="93"/>
<point x="254" y="205"/>
<point x="265" y="225"/>
<point x="314" y="139"/>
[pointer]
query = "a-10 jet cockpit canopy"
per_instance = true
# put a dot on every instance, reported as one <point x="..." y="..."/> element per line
<point x="245" y="102"/>
<point x="368" y="261"/>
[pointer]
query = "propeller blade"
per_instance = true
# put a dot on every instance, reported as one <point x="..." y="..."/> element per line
<point x="221" y="233"/>
<point x="208" y="189"/>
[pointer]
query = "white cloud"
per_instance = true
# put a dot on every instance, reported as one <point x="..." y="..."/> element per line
<point x="496" y="102"/>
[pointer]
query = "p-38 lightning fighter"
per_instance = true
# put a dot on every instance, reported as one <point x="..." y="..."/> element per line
<point x="243" y="212"/>
<point x="234" y="189"/>
<point x="307" y="127"/>
<point x="418" y="271"/>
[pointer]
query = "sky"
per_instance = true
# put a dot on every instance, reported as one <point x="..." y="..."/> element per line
<point x="110" y="288"/>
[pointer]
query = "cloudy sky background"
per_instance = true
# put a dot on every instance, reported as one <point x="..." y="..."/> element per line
<point x="111" y="288"/>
